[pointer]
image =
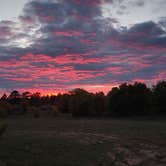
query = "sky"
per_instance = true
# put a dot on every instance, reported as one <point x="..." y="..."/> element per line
<point x="55" y="46"/>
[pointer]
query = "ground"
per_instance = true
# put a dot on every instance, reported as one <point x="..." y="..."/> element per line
<point x="83" y="142"/>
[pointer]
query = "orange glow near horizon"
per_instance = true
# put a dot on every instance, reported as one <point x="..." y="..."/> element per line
<point x="105" y="88"/>
<point x="48" y="92"/>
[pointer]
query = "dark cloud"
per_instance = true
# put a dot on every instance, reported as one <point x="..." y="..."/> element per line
<point x="147" y="33"/>
<point x="147" y="28"/>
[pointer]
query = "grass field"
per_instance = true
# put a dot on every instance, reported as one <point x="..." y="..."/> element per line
<point x="83" y="142"/>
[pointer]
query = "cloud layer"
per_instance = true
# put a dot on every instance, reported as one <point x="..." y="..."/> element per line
<point x="60" y="45"/>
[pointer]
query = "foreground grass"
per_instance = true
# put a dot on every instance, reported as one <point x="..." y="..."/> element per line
<point x="73" y="142"/>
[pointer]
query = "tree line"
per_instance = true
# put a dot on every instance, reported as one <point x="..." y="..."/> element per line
<point x="127" y="100"/>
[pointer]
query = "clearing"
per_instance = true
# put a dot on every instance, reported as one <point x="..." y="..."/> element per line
<point x="83" y="142"/>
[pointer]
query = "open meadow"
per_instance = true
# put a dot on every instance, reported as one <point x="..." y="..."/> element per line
<point x="83" y="142"/>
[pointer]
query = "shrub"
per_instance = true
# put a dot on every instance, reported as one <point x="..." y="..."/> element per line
<point x="4" y="109"/>
<point x="3" y="127"/>
<point x="34" y="111"/>
<point x="54" y="110"/>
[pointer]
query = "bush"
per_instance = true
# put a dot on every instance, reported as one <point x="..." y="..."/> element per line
<point x="35" y="111"/>
<point x="4" y="109"/>
<point x="54" y="111"/>
<point x="3" y="113"/>
<point x="3" y="127"/>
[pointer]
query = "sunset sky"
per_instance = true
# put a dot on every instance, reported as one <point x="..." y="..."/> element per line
<point x="57" y="45"/>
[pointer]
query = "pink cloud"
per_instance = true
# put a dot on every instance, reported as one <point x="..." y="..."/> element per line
<point x="4" y="33"/>
<point x="24" y="69"/>
<point x="69" y="33"/>
<point x="74" y="59"/>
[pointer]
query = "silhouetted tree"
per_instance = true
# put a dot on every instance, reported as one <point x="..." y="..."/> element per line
<point x="140" y="98"/>
<point x="113" y="101"/>
<point x="159" y="100"/>
<point x="35" y="99"/>
<point x="129" y="100"/>
<point x="63" y="102"/>
<point x="14" y="95"/>
<point x="81" y="103"/>
<point x="26" y="95"/>
<point x="4" y="96"/>
<point x="126" y="100"/>
<point x="98" y="104"/>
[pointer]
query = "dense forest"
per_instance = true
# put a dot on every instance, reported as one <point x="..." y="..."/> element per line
<point x="124" y="101"/>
